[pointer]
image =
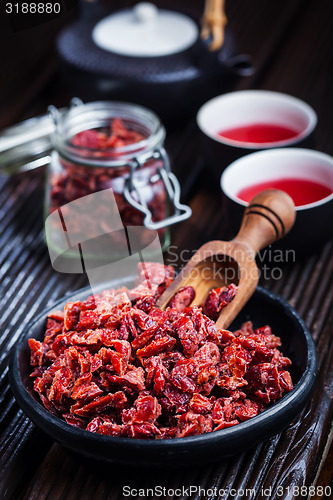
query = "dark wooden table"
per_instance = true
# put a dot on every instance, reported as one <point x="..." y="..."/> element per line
<point x="291" y="42"/>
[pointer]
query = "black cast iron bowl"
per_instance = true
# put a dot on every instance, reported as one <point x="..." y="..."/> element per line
<point x="173" y="86"/>
<point x="263" y="308"/>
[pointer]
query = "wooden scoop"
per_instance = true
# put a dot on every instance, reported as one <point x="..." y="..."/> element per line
<point x="269" y="216"/>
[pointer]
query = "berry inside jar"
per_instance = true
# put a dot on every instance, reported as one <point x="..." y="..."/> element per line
<point x="117" y="135"/>
<point x="97" y="159"/>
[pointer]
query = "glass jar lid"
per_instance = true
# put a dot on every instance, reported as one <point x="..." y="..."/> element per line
<point x="27" y="145"/>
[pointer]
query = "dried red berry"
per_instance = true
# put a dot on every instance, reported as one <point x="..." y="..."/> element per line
<point x="182" y="298"/>
<point x="217" y="299"/>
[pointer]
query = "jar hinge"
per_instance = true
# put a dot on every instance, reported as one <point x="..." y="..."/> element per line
<point x="172" y="188"/>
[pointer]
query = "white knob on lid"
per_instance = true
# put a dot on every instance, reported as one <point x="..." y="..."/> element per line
<point x="145" y="31"/>
<point x="145" y="12"/>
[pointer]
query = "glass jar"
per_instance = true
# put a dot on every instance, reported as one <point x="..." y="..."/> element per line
<point x="138" y="172"/>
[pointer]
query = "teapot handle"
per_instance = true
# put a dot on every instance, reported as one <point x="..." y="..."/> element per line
<point x="239" y="65"/>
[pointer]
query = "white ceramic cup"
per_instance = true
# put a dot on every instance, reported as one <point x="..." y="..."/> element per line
<point x="313" y="226"/>
<point x="242" y="108"/>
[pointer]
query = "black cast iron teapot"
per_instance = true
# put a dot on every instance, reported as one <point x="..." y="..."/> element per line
<point x="146" y="55"/>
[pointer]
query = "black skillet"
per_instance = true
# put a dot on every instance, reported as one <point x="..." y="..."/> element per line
<point x="263" y="308"/>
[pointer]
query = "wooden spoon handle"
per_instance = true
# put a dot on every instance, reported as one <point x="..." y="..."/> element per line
<point x="268" y="217"/>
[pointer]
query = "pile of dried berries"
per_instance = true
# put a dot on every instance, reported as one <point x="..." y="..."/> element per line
<point x="75" y="181"/>
<point x="116" y="365"/>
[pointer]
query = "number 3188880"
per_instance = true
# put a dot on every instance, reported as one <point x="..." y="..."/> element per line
<point x="33" y="8"/>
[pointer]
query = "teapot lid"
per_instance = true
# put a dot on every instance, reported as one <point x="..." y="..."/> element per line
<point x="145" y="31"/>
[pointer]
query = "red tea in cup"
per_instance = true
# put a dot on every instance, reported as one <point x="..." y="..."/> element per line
<point x="259" y="133"/>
